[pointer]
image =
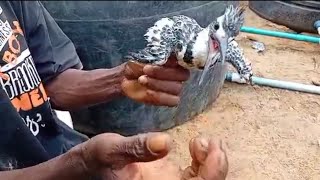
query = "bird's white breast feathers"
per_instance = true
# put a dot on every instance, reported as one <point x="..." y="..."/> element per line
<point x="200" y="48"/>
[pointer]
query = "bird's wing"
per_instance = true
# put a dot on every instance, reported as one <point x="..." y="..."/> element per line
<point x="237" y="59"/>
<point x="159" y="38"/>
<point x="185" y="28"/>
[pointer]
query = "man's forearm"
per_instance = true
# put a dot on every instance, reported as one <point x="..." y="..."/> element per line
<point x="64" y="167"/>
<point x="74" y="89"/>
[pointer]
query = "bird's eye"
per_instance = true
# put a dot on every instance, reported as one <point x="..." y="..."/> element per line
<point x="216" y="26"/>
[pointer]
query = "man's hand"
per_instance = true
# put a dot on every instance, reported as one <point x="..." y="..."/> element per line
<point x="209" y="160"/>
<point x="156" y="85"/>
<point x="143" y="157"/>
<point x="109" y="152"/>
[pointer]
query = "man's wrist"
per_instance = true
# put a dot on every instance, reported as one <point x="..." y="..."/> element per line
<point x="120" y="73"/>
<point x="77" y="157"/>
<point x="75" y="89"/>
<point x="105" y="84"/>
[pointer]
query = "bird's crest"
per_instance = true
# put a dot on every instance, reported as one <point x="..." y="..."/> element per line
<point x="233" y="19"/>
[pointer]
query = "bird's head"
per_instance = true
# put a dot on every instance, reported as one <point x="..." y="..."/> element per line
<point x="225" y="26"/>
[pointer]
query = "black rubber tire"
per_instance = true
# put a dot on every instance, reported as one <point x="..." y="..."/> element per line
<point x="296" y="15"/>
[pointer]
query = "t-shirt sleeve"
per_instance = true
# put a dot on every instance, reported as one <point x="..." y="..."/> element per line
<point x="52" y="51"/>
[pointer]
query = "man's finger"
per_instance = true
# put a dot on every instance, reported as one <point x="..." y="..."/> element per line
<point x="166" y="73"/>
<point x="188" y="173"/>
<point x="216" y="165"/>
<point x="114" y="151"/>
<point x="216" y="147"/>
<point x="136" y="91"/>
<point x="140" y="148"/>
<point x="170" y="87"/>
<point x="161" y="99"/>
<point x="133" y="70"/>
<point x="199" y="150"/>
<point x="172" y="62"/>
<point x="144" y="147"/>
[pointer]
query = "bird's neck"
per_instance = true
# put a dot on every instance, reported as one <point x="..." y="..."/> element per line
<point x="203" y="36"/>
<point x="200" y="48"/>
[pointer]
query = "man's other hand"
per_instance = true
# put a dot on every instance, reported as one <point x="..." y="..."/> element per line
<point x="144" y="156"/>
<point x="155" y="85"/>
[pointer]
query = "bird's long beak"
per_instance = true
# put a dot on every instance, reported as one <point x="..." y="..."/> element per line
<point x="223" y="42"/>
<point x="223" y="46"/>
<point x="208" y="64"/>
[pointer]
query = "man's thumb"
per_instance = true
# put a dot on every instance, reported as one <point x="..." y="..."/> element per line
<point x="115" y="151"/>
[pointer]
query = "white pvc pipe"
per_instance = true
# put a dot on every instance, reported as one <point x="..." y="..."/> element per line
<point x="234" y="77"/>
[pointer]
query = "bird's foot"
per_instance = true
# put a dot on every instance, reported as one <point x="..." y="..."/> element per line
<point x="246" y="73"/>
<point x="247" y="78"/>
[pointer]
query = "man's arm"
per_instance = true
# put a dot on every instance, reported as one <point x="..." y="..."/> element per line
<point x="15" y="135"/>
<point x="74" y="88"/>
<point x="58" y="64"/>
<point x="69" y="87"/>
<point x="99" y="158"/>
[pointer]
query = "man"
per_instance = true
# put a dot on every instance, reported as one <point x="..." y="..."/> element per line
<point x="38" y="62"/>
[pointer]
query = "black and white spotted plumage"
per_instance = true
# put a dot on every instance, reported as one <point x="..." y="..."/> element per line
<point x="236" y="58"/>
<point x="169" y="35"/>
<point x="192" y="44"/>
<point x="235" y="54"/>
<point x="234" y="19"/>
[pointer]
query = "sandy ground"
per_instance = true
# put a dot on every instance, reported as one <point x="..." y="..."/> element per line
<point x="268" y="133"/>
